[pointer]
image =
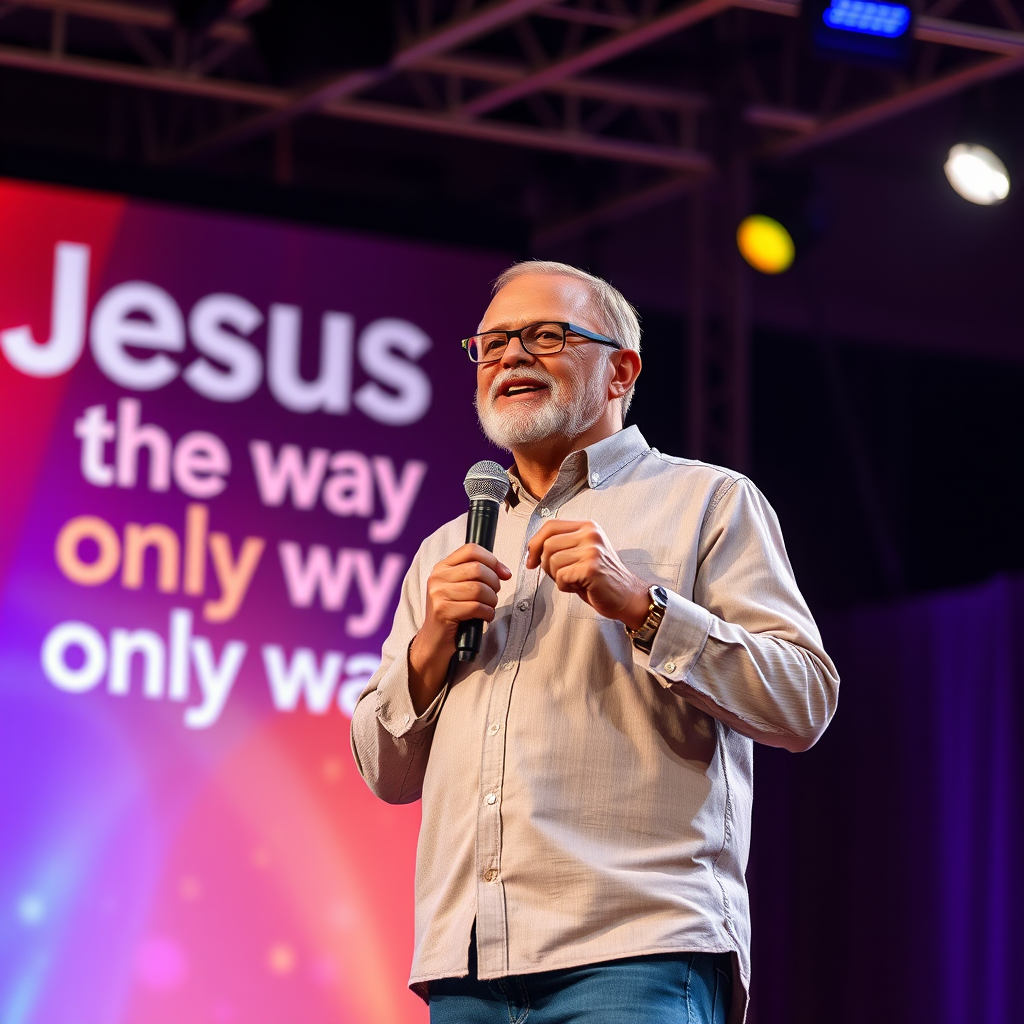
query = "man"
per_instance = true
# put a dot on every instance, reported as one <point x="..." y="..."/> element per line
<point x="587" y="781"/>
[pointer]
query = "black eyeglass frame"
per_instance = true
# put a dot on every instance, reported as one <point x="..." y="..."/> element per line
<point x="567" y="329"/>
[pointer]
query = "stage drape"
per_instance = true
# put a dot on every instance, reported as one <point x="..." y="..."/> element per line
<point x="886" y="868"/>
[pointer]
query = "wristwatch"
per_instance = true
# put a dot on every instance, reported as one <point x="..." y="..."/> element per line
<point x="643" y="638"/>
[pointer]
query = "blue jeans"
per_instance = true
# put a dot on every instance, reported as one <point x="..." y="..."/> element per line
<point x="674" y="988"/>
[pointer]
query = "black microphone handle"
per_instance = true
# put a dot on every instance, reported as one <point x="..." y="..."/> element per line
<point x="480" y="529"/>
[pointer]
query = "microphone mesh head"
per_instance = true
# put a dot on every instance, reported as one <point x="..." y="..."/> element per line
<point x="487" y="480"/>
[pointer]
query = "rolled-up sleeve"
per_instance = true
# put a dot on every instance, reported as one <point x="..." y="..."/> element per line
<point x="390" y="742"/>
<point x="745" y="647"/>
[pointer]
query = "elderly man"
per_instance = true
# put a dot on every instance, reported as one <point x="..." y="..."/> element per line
<point x="587" y="781"/>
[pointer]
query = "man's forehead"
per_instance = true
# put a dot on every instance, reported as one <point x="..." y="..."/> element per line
<point x="533" y="297"/>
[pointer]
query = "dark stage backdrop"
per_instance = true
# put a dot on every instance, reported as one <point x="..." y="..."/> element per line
<point x="886" y="872"/>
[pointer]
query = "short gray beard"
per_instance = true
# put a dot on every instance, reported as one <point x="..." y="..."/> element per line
<point x="518" y="427"/>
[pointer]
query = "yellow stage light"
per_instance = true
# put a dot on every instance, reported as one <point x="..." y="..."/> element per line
<point x="765" y="244"/>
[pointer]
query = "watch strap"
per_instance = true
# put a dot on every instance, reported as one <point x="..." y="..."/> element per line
<point x="643" y="638"/>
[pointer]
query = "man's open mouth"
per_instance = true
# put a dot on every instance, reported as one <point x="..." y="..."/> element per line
<point x="521" y="387"/>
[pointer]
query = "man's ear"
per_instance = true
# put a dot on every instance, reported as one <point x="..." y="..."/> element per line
<point x="627" y="365"/>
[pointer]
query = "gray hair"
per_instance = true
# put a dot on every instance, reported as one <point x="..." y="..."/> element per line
<point x="619" y="320"/>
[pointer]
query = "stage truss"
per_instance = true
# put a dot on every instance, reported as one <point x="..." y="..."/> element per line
<point x="668" y="98"/>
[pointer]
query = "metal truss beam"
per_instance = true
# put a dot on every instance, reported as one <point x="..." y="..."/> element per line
<point x="619" y="44"/>
<point x="626" y="206"/>
<point x="608" y="49"/>
<point x="602" y="146"/>
<point x="617" y="91"/>
<point x="161" y="79"/>
<point x="134" y="14"/>
<point x="167" y="80"/>
<point x="718" y="342"/>
<point x="814" y="133"/>
<point x="968" y="37"/>
<point x="480" y="22"/>
<point x="902" y="103"/>
<point x="513" y="81"/>
<point x="926" y="29"/>
<point x="586" y="87"/>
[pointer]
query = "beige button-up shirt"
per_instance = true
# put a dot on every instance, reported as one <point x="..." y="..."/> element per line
<point x="583" y="801"/>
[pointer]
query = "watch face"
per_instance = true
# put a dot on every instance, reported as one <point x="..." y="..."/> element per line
<point x="660" y="595"/>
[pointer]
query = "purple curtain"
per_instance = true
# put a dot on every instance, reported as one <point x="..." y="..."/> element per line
<point x="886" y="863"/>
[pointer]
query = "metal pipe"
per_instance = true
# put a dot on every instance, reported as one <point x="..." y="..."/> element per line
<point x="134" y="14"/>
<point x="894" y="106"/>
<point x="161" y="79"/>
<point x="740" y="323"/>
<point x="587" y="87"/>
<point x="603" y="147"/>
<point x="969" y="37"/>
<point x="696" y="406"/>
<point x="600" y="53"/>
<point x="619" y="209"/>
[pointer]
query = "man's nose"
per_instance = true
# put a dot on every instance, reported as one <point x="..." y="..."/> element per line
<point x="515" y="353"/>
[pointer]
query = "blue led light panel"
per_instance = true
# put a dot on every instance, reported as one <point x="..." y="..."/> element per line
<point x="867" y="17"/>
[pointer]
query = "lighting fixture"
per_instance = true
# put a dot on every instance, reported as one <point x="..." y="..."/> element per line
<point x="867" y="17"/>
<point x="765" y="244"/>
<point x="977" y="174"/>
<point x="872" y="32"/>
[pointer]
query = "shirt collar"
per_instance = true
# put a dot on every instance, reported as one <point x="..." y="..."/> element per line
<point x="607" y="457"/>
<point x="592" y="465"/>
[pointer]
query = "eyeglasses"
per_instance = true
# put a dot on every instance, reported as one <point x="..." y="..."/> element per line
<point x="540" y="339"/>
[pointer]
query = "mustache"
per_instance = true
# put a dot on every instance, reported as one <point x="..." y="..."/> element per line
<point x="510" y="376"/>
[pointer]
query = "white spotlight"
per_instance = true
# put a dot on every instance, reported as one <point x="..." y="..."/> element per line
<point x="977" y="174"/>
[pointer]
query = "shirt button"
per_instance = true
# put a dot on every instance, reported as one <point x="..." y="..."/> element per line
<point x="595" y="478"/>
<point x="545" y="512"/>
<point x="670" y="666"/>
<point x="490" y="874"/>
<point x="492" y="729"/>
<point x="491" y="798"/>
<point x="507" y="665"/>
<point x="523" y="605"/>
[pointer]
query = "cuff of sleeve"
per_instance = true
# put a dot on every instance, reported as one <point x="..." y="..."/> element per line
<point x="395" y="710"/>
<point x="679" y="641"/>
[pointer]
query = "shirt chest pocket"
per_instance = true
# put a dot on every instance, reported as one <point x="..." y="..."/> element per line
<point x="665" y="574"/>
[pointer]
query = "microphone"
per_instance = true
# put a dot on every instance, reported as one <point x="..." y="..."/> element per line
<point x="486" y="486"/>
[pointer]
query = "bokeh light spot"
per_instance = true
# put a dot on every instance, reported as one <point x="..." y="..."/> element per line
<point x="160" y="963"/>
<point x="190" y="888"/>
<point x="331" y="769"/>
<point x="977" y="174"/>
<point x="765" y="244"/>
<point x="31" y="909"/>
<point x="281" y="958"/>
